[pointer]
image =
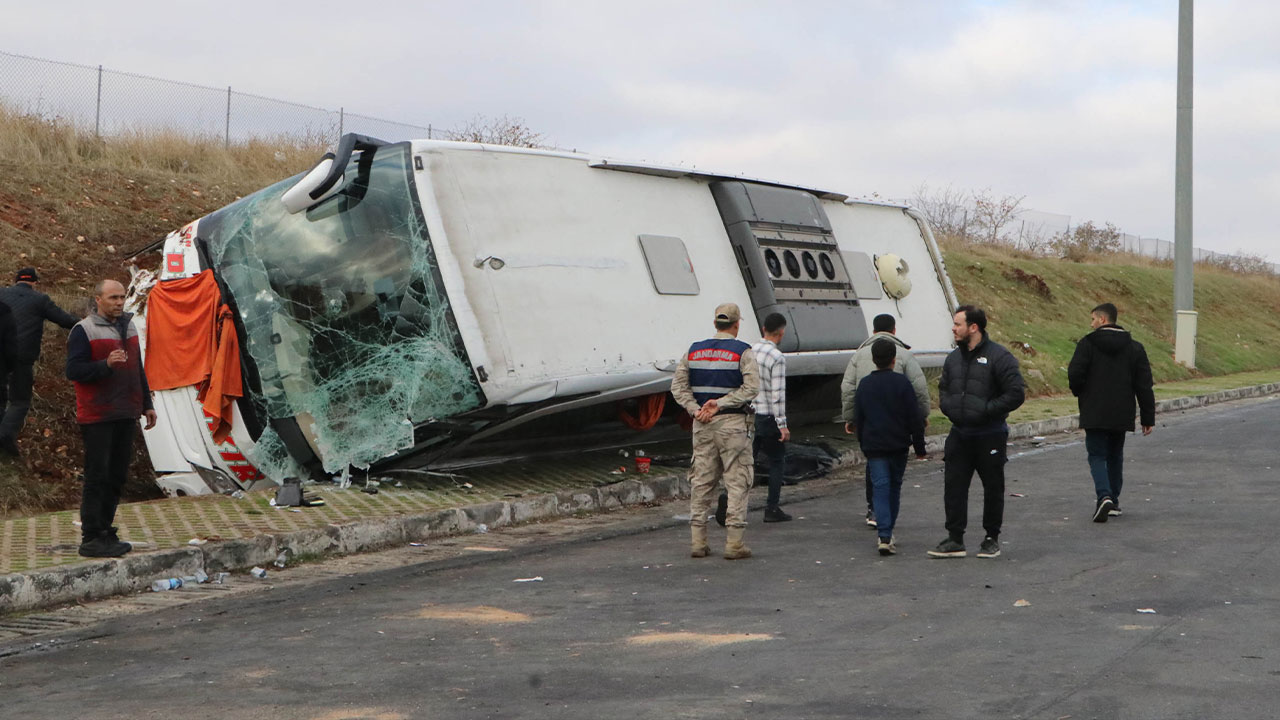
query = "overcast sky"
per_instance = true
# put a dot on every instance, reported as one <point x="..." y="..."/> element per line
<point x="1070" y="104"/>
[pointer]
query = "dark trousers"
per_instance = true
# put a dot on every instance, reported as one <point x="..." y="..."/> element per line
<point x="1106" y="461"/>
<point x="15" y="399"/>
<point x="108" y="448"/>
<point x="964" y="454"/>
<point x="769" y="441"/>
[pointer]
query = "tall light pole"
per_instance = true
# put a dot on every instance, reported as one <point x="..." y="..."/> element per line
<point x="1184" y="343"/>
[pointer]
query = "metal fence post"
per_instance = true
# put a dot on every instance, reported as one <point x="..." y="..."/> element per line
<point x="97" y="112"/>
<point x="227" y="137"/>
<point x="342" y="121"/>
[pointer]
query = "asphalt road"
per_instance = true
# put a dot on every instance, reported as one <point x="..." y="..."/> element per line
<point x="817" y="625"/>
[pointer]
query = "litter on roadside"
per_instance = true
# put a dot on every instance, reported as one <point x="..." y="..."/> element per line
<point x="1016" y="495"/>
<point x="197" y="541"/>
<point x="260" y="573"/>
<point x="1147" y="611"/>
<point x="532" y="579"/>
<point x="1022" y="603"/>
<point x="176" y="582"/>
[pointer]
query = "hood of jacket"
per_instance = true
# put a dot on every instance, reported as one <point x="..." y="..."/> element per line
<point x="1110" y="339"/>
<point x="883" y="336"/>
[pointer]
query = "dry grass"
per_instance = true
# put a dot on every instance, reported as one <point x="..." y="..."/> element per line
<point x="75" y="207"/>
<point x="52" y="142"/>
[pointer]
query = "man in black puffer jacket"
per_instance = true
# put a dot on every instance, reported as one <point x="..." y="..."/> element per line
<point x="1107" y="373"/>
<point x="980" y="386"/>
<point x="31" y="308"/>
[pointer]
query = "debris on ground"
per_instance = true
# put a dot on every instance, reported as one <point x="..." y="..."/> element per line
<point x="1022" y="603"/>
<point x="532" y="579"/>
<point x="260" y="573"/>
<point x="1147" y="611"/>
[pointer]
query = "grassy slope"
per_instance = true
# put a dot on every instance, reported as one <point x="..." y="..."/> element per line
<point x="74" y="208"/>
<point x="1239" y="322"/>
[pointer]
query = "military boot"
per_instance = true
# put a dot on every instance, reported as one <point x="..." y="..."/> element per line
<point x="734" y="549"/>
<point x="698" y="547"/>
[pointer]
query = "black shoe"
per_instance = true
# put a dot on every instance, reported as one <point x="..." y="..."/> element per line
<point x="949" y="548"/>
<point x="1104" y="509"/>
<point x="775" y="514"/>
<point x="989" y="548"/>
<point x="100" y="547"/>
<point x="113" y="537"/>
<point x="9" y="446"/>
<point x="871" y="519"/>
<point x="722" y="508"/>
<point x="1115" y="509"/>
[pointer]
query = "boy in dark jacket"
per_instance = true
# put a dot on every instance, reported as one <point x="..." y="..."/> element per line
<point x="888" y="422"/>
<point x="980" y="386"/>
<point x="1108" y="371"/>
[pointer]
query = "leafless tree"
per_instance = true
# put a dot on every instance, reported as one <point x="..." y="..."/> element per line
<point x="993" y="216"/>
<point x="946" y="208"/>
<point x="1086" y="239"/>
<point x="502" y="130"/>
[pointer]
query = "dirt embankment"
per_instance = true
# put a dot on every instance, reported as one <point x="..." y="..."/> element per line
<point x="76" y="225"/>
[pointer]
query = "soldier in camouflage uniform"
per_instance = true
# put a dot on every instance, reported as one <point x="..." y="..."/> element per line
<point x="715" y="382"/>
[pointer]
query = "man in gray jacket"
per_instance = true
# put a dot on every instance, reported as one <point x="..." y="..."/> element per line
<point x="884" y="327"/>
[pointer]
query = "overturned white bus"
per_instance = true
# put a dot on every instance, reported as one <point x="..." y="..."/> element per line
<point x="402" y="300"/>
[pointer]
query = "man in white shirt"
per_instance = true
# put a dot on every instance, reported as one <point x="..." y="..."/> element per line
<point x="771" y="410"/>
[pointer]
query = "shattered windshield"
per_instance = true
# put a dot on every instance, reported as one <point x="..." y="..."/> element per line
<point x="344" y="315"/>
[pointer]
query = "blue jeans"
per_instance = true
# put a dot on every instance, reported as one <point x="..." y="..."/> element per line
<point x="1106" y="461"/>
<point x="886" y="490"/>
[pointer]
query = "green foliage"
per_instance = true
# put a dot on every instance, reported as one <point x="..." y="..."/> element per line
<point x="1239" y="328"/>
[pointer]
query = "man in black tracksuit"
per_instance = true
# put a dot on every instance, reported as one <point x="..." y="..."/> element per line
<point x="8" y="341"/>
<point x="980" y="386"/>
<point x="1108" y="371"/>
<point x="31" y="308"/>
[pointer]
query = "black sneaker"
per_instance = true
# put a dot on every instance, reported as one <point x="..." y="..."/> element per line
<point x="886" y="547"/>
<point x="722" y="508"/>
<point x="949" y="548"/>
<point x="989" y="548"/>
<point x="871" y="519"/>
<point x="775" y="514"/>
<point x="112" y="536"/>
<point x="1115" y="510"/>
<point x="99" y="547"/>
<point x="1104" y="509"/>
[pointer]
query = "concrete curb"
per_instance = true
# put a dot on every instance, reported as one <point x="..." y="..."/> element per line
<point x="96" y="579"/>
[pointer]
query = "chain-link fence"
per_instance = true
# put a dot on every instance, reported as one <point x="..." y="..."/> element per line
<point x="1035" y="230"/>
<point x="108" y="102"/>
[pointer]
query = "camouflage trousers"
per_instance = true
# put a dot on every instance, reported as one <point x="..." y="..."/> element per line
<point x="721" y="453"/>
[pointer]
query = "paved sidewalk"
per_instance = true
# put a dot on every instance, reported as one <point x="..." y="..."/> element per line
<point x="39" y="566"/>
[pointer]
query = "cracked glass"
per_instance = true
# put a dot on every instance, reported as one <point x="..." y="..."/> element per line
<point x="344" y="315"/>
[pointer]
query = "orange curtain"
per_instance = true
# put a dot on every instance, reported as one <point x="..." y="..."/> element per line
<point x="181" y="331"/>
<point x="224" y="385"/>
<point x="649" y="410"/>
